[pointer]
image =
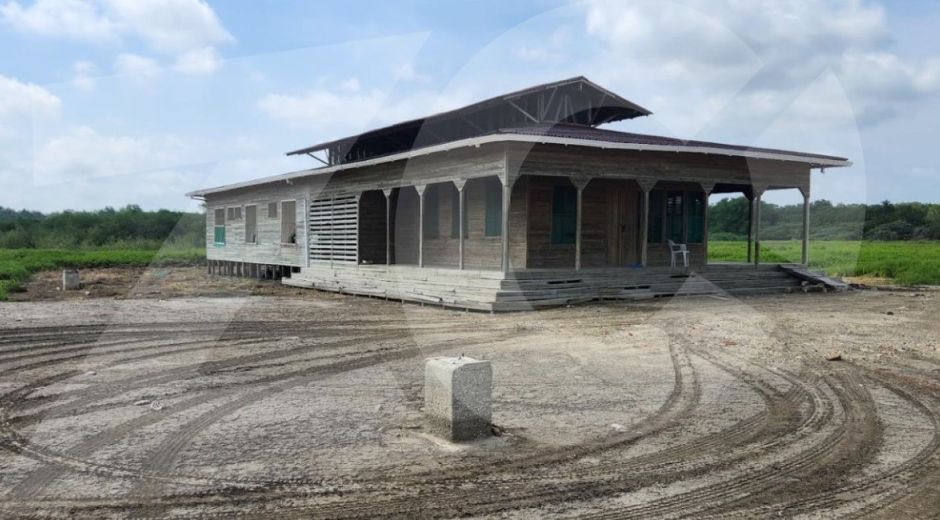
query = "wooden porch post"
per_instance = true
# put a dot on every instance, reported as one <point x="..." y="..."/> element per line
<point x="579" y="183"/>
<point x="647" y="186"/>
<point x="421" y="189"/>
<point x="750" y="223"/>
<point x="388" y="225"/>
<point x="805" y="255"/>
<point x="707" y="187"/>
<point x="507" y="196"/>
<point x="758" y="195"/>
<point x="461" y="202"/>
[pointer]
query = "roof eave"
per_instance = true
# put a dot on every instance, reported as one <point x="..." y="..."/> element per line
<point x="817" y="162"/>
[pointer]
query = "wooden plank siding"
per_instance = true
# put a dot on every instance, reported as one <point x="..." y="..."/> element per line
<point x="268" y="248"/>
<point x="566" y="161"/>
<point x="480" y="251"/>
<point x="610" y="200"/>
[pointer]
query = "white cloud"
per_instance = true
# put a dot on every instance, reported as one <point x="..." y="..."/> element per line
<point x="83" y="75"/>
<point x="320" y="106"/>
<point x="136" y="68"/>
<point x="345" y="110"/>
<point x="83" y="153"/>
<point x="21" y="101"/>
<point x="199" y="62"/>
<point x="188" y="30"/>
<point x="761" y="51"/>
<point x="170" y="26"/>
<point x="76" y="19"/>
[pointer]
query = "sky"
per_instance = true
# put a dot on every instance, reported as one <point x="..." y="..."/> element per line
<point x="115" y="102"/>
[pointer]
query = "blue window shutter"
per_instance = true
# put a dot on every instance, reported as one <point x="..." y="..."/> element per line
<point x="564" y="214"/>
<point x="431" y="212"/>
<point x="494" y="208"/>
<point x="696" y="217"/>
<point x="454" y="212"/>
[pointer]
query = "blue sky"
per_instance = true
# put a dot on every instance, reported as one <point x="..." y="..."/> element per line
<point x="114" y="102"/>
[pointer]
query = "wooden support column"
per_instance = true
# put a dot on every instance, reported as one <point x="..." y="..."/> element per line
<point x="507" y="196"/>
<point x="707" y="187"/>
<point x="421" y="189"/>
<point x="750" y="224"/>
<point x="460" y="184"/>
<point x="758" y="195"/>
<point x="805" y="252"/>
<point x="388" y="225"/>
<point x="579" y="183"/>
<point x="646" y="186"/>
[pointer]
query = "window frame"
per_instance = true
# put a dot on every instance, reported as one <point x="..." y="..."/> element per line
<point x="557" y="235"/>
<point x="690" y="216"/>
<point x="281" y="217"/>
<point x="659" y="212"/>
<point x="455" y="212"/>
<point x="216" y="227"/>
<point x="245" y="220"/>
<point x="671" y="217"/>
<point x="656" y="217"/>
<point x="492" y="218"/>
<point x="277" y="212"/>
<point x="431" y="226"/>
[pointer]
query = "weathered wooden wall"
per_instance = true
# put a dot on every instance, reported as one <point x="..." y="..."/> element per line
<point x="599" y="224"/>
<point x="537" y="168"/>
<point x="268" y="249"/>
<point x="442" y="250"/>
<point x="566" y="161"/>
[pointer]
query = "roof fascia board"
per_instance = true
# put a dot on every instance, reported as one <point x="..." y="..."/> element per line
<point x="813" y="162"/>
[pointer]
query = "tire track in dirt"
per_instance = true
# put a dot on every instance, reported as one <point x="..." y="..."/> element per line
<point x="167" y="453"/>
<point x="34" y="482"/>
<point x="173" y="374"/>
<point x="493" y="497"/>
<point x="91" y="446"/>
<point x="858" y="429"/>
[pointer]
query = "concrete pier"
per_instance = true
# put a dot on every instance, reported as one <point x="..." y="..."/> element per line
<point x="71" y="280"/>
<point x="458" y="397"/>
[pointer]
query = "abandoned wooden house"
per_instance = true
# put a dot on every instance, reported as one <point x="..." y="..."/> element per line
<point x="512" y="203"/>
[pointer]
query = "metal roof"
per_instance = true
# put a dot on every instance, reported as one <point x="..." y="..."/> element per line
<point x="614" y="136"/>
<point x="574" y="100"/>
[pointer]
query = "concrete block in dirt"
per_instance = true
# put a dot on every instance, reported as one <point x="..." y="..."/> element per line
<point x="71" y="280"/>
<point x="458" y="397"/>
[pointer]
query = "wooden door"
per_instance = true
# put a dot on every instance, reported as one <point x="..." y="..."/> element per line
<point x="622" y="224"/>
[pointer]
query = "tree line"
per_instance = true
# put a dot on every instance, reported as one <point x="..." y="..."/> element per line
<point x="132" y="227"/>
<point x="127" y="227"/>
<point x="728" y="220"/>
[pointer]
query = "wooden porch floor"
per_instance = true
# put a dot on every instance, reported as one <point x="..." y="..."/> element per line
<point x="528" y="289"/>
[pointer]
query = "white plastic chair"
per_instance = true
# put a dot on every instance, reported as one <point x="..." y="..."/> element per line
<point x="676" y="250"/>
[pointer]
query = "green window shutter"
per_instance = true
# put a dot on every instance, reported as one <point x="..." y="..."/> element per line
<point x="564" y="214"/>
<point x="494" y="208"/>
<point x="696" y="217"/>
<point x="432" y="215"/>
<point x="219" y="229"/>
<point x="674" y="201"/>
<point x="454" y="213"/>
<point x="655" y="235"/>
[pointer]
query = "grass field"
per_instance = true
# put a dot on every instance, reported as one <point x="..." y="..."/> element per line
<point x="17" y="265"/>
<point x="907" y="263"/>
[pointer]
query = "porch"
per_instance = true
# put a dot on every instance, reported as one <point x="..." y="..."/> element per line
<point x="528" y="289"/>
<point x="530" y="222"/>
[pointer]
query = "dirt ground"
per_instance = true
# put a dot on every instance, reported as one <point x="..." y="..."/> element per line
<point x="170" y="393"/>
